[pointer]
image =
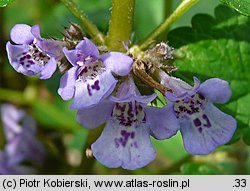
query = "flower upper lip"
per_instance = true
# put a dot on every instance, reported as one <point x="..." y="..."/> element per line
<point x="32" y="54"/>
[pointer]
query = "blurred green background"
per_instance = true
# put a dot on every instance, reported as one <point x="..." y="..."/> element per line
<point x="66" y="140"/>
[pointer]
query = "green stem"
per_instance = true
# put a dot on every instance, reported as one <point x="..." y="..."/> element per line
<point x="181" y="9"/>
<point x="93" y="31"/>
<point x="121" y="24"/>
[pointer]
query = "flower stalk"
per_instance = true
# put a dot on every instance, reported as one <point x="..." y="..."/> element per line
<point x="121" y="24"/>
<point x="181" y="9"/>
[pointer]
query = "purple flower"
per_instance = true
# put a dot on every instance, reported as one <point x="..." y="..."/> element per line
<point x="90" y="79"/>
<point x="8" y="167"/>
<point x="32" y="54"/>
<point x="20" y="129"/>
<point x="125" y="141"/>
<point x="203" y="126"/>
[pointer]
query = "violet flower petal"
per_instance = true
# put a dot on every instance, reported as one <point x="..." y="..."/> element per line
<point x="21" y="34"/>
<point x="71" y="55"/>
<point x="10" y="117"/>
<point x="7" y="167"/>
<point x="14" y="52"/>
<point x="118" y="62"/>
<point x="129" y="148"/>
<point x="35" y="31"/>
<point x="53" y="48"/>
<point x="180" y="89"/>
<point x="20" y="170"/>
<point x="23" y="147"/>
<point x="216" y="90"/>
<point x="128" y="92"/>
<point x="142" y="99"/>
<point x="90" y="92"/>
<point x="67" y="84"/>
<point x="203" y="133"/>
<point x="96" y="115"/>
<point x="48" y="69"/>
<point x="88" y="48"/>
<point x="162" y="121"/>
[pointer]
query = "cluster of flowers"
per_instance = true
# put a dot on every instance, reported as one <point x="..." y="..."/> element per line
<point x="21" y="143"/>
<point x="104" y="91"/>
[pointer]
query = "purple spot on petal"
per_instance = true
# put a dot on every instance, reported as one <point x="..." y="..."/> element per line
<point x="194" y="109"/>
<point x="120" y="107"/>
<point x="95" y="68"/>
<point x="22" y="58"/>
<point x="127" y="115"/>
<point x="96" y="85"/>
<point x="122" y="141"/>
<point x="130" y="110"/>
<point x="82" y="70"/>
<point x="85" y="70"/>
<point x="135" y="144"/>
<point x="186" y="100"/>
<point x="116" y="142"/>
<point x="201" y="96"/>
<point x="89" y="90"/>
<point x="132" y="135"/>
<point x="125" y="136"/>
<point x="181" y="108"/>
<point x="197" y="122"/>
<point x="31" y="62"/>
<point x="205" y="117"/>
<point x="200" y="129"/>
<point x="41" y="55"/>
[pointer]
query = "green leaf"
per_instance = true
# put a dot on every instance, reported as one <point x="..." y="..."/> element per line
<point x="168" y="148"/>
<point x="209" y="168"/>
<point x="147" y="16"/>
<point x="218" y="47"/>
<point x="79" y="139"/>
<point x="201" y="7"/>
<point x="4" y="3"/>
<point x="200" y="168"/>
<point x="56" y="115"/>
<point x="242" y="6"/>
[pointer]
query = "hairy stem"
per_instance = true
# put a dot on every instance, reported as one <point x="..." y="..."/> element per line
<point x="121" y="23"/>
<point x="93" y="31"/>
<point x="181" y="9"/>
